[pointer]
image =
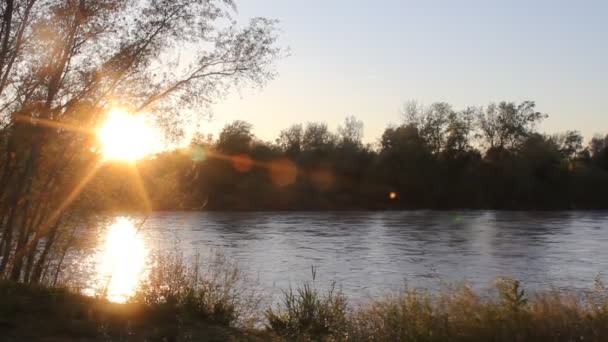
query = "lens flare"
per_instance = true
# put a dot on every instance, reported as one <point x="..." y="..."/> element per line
<point x="283" y="172"/>
<point x="242" y="163"/>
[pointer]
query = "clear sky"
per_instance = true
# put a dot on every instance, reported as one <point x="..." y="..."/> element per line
<point x="366" y="58"/>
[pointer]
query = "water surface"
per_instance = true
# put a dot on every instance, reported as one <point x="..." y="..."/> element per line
<point x="369" y="253"/>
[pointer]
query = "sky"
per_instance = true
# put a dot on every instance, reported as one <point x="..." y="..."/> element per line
<point x="367" y="58"/>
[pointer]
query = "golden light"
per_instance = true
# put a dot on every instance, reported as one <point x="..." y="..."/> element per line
<point x="322" y="179"/>
<point x="242" y="163"/>
<point x="283" y="172"/>
<point x="392" y="195"/>
<point x="121" y="262"/>
<point x="127" y="137"/>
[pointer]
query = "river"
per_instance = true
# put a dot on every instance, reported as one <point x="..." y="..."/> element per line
<point x="370" y="253"/>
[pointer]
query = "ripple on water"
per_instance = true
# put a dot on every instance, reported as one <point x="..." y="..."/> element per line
<point x="372" y="252"/>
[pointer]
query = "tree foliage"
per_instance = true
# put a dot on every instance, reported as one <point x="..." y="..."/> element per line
<point x="65" y="64"/>
<point x="413" y="165"/>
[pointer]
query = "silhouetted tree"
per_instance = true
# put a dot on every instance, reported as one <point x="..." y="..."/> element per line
<point x="64" y="63"/>
<point x="351" y="133"/>
<point x="432" y="122"/>
<point x="570" y="144"/>
<point x="598" y="148"/>
<point x="317" y="137"/>
<point x="438" y="166"/>
<point x="406" y="164"/>
<point x="507" y="125"/>
<point x="291" y="139"/>
<point x="235" y="138"/>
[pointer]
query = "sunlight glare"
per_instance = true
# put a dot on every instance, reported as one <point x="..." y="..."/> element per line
<point x="122" y="261"/>
<point x="127" y="137"/>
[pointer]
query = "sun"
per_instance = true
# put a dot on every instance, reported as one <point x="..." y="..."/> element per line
<point x="126" y="137"/>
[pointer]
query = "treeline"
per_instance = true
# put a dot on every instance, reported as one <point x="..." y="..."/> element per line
<point x="485" y="158"/>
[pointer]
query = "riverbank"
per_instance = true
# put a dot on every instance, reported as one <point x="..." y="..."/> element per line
<point x="35" y="313"/>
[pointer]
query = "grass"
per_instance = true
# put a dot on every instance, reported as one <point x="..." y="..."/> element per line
<point x="308" y="314"/>
<point x="463" y="315"/>
<point x="33" y="313"/>
<point x="183" y="301"/>
<point x="454" y="314"/>
<point x="213" y="291"/>
<point x="180" y="301"/>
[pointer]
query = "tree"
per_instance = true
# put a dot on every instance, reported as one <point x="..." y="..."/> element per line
<point x="507" y="125"/>
<point x="235" y="138"/>
<point x="459" y="130"/>
<point x="570" y="144"/>
<point x="352" y="131"/>
<point x="432" y="122"/>
<point x="63" y="64"/>
<point x="598" y="149"/>
<point x="317" y="137"/>
<point x="291" y="139"/>
<point x="405" y="162"/>
<point x="541" y="172"/>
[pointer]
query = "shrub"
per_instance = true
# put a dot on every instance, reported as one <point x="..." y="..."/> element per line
<point x="463" y="315"/>
<point x="453" y="314"/>
<point x="213" y="291"/>
<point x="308" y="314"/>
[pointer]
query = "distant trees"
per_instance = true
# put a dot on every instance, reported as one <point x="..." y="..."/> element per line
<point x="351" y="132"/>
<point x="598" y="151"/>
<point x="431" y="122"/>
<point x="317" y="137"/>
<point x="506" y="125"/>
<point x="439" y="157"/>
<point x="235" y="138"/>
<point x="404" y="161"/>
<point x="291" y="139"/>
<point x="570" y="144"/>
<point x="443" y="129"/>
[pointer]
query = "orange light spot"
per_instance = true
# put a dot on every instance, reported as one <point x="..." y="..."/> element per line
<point x="392" y="195"/>
<point x="322" y="179"/>
<point x="242" y="163"/>
<point x="283" y="172"/>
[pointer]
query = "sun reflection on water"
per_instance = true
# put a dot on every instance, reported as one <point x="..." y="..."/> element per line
<point x="121" y="262"/>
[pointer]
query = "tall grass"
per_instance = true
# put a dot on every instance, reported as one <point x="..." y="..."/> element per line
<point x="454" y="314"/>
<point x="208" y="299"/>
<point x="203" y="299"/>
<point x="309" y="314"/>
<point x="211" y="289"/>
